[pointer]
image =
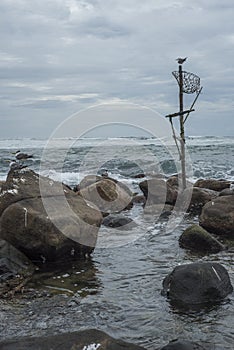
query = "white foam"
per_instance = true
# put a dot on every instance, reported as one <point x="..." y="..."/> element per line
<point x="91" y="347"/>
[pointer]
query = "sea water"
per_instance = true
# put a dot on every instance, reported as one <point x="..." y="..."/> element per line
<point x="118" y="290"/>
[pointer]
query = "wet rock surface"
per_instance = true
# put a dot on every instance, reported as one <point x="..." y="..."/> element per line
<point x="218" y="216"/>
<point x="184" y="345"/>
<point x="107" y="195"/>
<point x="199" y="197"/>
<point x="197" y="239"/>
<point x="213" y="184"/>
<point x="118" y="221"/>
<point x="91" y="339"/>
<point x="44" y="219"/>
<point x="158" y="191"/>
<point x="197" y="283"/>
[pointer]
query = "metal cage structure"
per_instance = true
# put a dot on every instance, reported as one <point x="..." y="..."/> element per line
<point x="191" y="82"/>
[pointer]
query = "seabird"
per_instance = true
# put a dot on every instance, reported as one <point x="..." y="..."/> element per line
<point x="22" y="156"/>
<point x="181" y="60"/>
<point x="15" y="165"/>
<point x="105" y="173"/>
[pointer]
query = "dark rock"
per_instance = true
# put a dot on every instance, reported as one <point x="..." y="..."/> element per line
<point x="118" y="221"/>
<point x="139" y="199"/>
<point x="201" y="283"/>
<point x="197" y="239"/>
<point x="1" y="184"/>
<point x="84" y="340"/>
<point x="139" y="176"/>
<point x="218" y="216"/>
<point x="184" y="345"/>
<point x="45" y="220"/>
<point x="175" y="181"/>
<point x="158" y="191"/>
<point x="108" y="196"/>
<point x="159" y="210"/>
<point x="199" y="197"/>
<point x="213" y="184"/>
<point x="15" y="269"/>
<point x="13" y="262"/>
<point x="227" y="192"/>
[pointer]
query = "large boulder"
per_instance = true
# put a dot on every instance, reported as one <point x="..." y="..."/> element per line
<point x="197" y="239"/>
<point x="158" y="191"/>
<point x="199" y="283"/>
<point x="199" y="197"/>
<point x="45" y="220"/>
<point x="178" y="344"/>
<point x="213" y="184"/>
<point x="107" y="195"/>
<point x="218" y="216"/>
<point x="84" y="340"/>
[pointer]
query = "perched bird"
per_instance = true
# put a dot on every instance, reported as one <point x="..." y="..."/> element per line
<point x="15" y="165"/>
<point x="181" y="60"/>
<point x="22" y="156"/>
<point x="105" y="173"/>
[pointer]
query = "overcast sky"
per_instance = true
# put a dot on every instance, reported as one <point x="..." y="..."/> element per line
<point x="60" y="56"/>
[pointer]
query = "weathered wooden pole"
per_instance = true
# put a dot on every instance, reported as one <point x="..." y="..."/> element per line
<point x="182" y="136"/>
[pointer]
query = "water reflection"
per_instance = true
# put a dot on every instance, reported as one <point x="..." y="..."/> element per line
<point x="79" y="278"/>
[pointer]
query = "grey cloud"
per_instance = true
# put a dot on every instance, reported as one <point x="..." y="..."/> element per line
<point x="114" y="50"/>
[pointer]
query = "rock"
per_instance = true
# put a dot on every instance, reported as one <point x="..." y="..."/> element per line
<point x="184" y="345"/>
<point x="13" y="262"/>
<point x="196" y="239"/>
<point x="200" y="196"/>
<point x="46" y="221"/>
<point x="158" y="191"/>
<point x="15" y="269"/>
<point x="227" y="192"/>
<point x="175" y="181"/>
<point x="1" y="184"/>
<point x="118" y="221"/>
<point x="108" y="196"/>
<point x="138" y="199"/>
<point x="199" y="283"/>
<point x="139" y="176"/>
<point x="213" y="184"/>
<point x="218" y="216"/>
<point x="159" y="210"/>
<point x="83" y="340"/>
<point x="89" y="180"/>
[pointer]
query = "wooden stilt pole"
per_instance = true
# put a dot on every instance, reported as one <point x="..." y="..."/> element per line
<point x="182" y="136"/>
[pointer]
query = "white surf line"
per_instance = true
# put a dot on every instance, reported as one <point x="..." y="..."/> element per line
<point x="216" y="273"/>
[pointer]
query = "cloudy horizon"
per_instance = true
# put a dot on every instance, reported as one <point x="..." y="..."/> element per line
<point x="58" y="57"/>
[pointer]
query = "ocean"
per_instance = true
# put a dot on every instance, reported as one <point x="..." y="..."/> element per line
<point x="118" y="291"/>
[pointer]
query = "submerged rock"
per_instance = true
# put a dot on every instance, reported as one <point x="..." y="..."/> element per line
<point x="218" y="216"/>
<point x="197" y="239"/>
<point x="84" y="340"/>
<point x="118" y="221"/>
<point x="45" y="220"/>
<point x="198" y="283"/>
<point x="184" y="345"/>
